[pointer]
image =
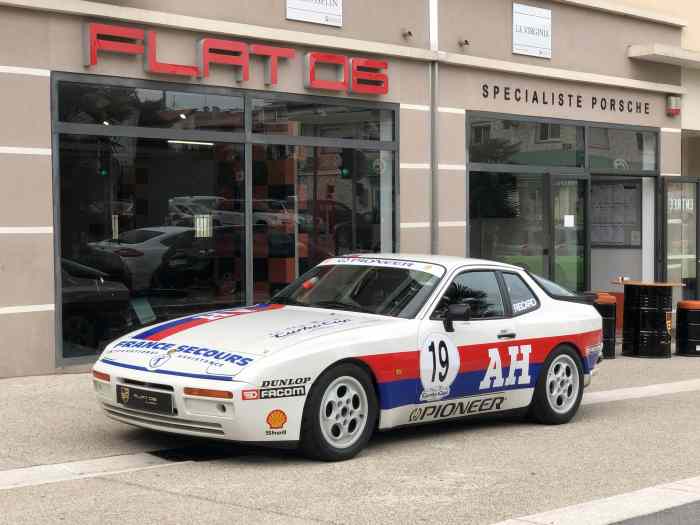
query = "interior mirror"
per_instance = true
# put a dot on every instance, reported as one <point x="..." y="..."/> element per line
<point x="456" y="312"/>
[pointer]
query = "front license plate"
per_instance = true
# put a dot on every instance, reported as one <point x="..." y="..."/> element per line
<point x="138" y="399"/>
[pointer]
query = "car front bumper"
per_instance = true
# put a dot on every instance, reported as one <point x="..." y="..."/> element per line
<point x="233" y="419"/>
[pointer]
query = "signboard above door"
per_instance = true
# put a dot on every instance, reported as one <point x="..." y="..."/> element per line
<point x="326" y="12"/>
<point x="532" y="31"/>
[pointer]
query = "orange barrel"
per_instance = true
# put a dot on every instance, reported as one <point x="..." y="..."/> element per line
<point x="606" y="305"/>
<point x="688" y="328"/>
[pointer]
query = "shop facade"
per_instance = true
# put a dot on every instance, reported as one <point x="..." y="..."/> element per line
<point x="159" y="166"/>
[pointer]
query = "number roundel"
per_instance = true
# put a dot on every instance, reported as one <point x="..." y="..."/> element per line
<point x="439" y="365"/>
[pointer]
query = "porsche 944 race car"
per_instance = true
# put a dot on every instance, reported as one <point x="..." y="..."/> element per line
<point x="356" y="344"/>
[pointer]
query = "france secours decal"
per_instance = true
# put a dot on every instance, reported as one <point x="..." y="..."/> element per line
<point x="146" y="351"/>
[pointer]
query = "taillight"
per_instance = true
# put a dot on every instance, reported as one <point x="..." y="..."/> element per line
<point x="205" y="392"/>
<point x="100" y="375"/>
<point x="128" y="252"/>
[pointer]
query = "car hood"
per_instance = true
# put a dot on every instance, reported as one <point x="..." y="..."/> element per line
<point x="219" y="344"/>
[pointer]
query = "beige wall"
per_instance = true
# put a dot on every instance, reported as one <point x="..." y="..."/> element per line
<point x="582" y="39"/>
<point x="381" y="21"/>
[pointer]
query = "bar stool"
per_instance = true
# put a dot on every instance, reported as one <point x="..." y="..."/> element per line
<point x="688" y="328"/>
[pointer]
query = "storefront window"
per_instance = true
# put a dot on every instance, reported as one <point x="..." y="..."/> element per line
<point x="314" y="119"/>
<point x="613" y="150"/>
<point x="311" y="203"/>
<point x="152" y="108"/>
<point x="499" y="141"/>
<point x="150" y="229"/>
<point x="157" y="228"/>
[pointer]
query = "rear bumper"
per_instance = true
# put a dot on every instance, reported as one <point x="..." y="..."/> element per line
<point x="233" y="419"/>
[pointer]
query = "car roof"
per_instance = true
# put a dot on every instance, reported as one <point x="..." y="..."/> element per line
<point x="448" y="261"/>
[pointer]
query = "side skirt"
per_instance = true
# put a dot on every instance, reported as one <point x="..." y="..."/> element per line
<point x="469" y="406"/>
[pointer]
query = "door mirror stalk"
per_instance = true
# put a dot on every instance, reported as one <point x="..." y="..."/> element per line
<point x="456" y="312"/>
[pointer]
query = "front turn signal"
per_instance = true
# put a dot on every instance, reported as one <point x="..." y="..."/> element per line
<point x="100" y="375"/>
<point x="205" y="392"/>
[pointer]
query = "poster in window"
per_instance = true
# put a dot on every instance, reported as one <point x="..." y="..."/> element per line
<point x="616" y="219"/>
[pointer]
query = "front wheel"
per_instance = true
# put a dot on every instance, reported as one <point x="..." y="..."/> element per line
<point x="340" y="414"/>
<point x="559" y="388"/>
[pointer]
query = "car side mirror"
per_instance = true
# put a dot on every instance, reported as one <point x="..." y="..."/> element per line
<point x="456" y="312"/>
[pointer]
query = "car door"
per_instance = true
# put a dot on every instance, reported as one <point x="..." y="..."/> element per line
<point x="466" y="361"/>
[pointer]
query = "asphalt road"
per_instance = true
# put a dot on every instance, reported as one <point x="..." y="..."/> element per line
<point x="470" y="472"/>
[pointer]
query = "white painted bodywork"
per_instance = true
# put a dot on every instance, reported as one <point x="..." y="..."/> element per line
<point x="238" y="350"/>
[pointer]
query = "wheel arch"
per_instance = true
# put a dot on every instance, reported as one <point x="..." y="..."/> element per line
<point x="577" y="350"/>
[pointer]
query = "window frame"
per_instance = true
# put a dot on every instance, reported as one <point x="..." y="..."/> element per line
<point x="441" y="293"/>
<point x="510" y="300"/>
<point x="245" y="137"/>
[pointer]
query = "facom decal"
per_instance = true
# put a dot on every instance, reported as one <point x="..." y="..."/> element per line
<point x="277" y="388"/>
<point x="309" y="327"/>
<point x="439" y="365"/>
<point x="519" y="362"/>
<point x="456" y="408"/>
<point x="276" y="421"/>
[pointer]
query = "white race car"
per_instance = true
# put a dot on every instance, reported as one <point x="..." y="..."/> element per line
<point x="356" y="344"/>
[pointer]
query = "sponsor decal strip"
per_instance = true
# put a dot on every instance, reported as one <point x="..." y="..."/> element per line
<point x="403" y="389"/>
<point x="167" y="372"/>
<point x="162" y="331"/>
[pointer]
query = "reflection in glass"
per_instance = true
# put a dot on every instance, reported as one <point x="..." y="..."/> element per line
<point x="569" y="201"/>
<point x="622" y="150"/>
<point x="311" y="203"/>
<point x="314" y="119"/>
<point x="130" y="253"/>
<point x="127" y="106"/>
<point x="497" y="141"/>
<point x="507" y="220"/>
<point x="681" y="238"/>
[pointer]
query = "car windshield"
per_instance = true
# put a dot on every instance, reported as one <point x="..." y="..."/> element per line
<point x="389" y="287"/>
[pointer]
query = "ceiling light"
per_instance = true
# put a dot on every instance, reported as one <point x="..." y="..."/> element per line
<point x="183" y="116"/>
<point x="105" y="123"/>
<point x="195" y="143"/>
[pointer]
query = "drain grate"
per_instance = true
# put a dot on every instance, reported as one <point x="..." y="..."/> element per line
<point x="195" y="453"/>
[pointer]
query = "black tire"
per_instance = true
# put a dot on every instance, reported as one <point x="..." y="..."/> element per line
<point x="313" y="443"/>
<point x="543" y="409"/>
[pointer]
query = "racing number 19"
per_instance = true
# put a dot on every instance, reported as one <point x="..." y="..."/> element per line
<point x="443" y="357"/>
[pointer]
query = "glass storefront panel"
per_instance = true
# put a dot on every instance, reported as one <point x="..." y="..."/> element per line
<point x="314" y="119"/>
<point x="153" y="108"/>
<point x="150" y="230"/>
<point x="507" y="219"/>
<point x="569" y="215"/>
<point x="500" y="141"/>
<point x="311" y="203"/>
<point x="681" y="238"/>
<point x="614" y="149"/>
<point x="153" y="229"/>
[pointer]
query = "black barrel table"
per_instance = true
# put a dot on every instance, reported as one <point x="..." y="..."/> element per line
<point x="688" y="328"/>
<point x="647" y="319"/>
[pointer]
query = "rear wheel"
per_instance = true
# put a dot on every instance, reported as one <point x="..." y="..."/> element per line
<point x="340" y="414"/>
<point x="559" y="388"/>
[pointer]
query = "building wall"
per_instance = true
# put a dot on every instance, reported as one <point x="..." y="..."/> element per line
<point x="38" y="41"/>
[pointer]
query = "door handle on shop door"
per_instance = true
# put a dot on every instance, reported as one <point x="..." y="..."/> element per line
<point x="505" y="334"/>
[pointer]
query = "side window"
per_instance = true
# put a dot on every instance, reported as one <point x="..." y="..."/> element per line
<point x="521" y="297"/>
<point x="477" y="289"/>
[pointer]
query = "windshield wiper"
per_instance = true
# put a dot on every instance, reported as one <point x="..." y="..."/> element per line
<point x="341" y="306"/>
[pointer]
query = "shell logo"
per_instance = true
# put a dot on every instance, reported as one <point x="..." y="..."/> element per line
<point x="276" y="419"/>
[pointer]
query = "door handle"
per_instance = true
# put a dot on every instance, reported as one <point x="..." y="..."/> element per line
<point x="505" y="334"/>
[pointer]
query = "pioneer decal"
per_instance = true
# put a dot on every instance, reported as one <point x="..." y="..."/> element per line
<point x="456" y="408"/>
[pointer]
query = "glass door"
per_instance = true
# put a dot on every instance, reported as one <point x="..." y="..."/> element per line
<point x="534" y="220"/>
<point x="569" y="255"/>
<point x="681" y="237"/>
